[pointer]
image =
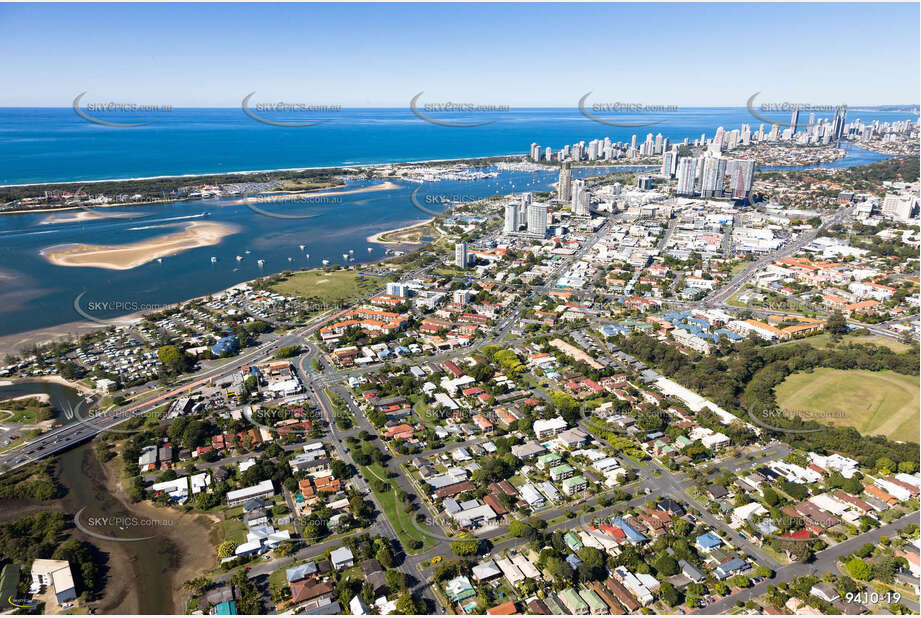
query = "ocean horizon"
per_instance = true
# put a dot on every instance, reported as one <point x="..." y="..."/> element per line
<point x="50" y="145"/>
<point x="56" y="145"/>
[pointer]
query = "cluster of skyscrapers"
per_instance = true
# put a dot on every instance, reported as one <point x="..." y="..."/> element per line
<point x="817" y="131"/>
<point x="527" y="213"/>
<point x="706" y="176"/>
<point x="602" y="150"/>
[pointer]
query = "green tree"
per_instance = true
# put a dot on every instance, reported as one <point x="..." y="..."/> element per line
<point x="385" y="557"/>
<point x="226" y="549"/>
<point x="770" y="496"/>
<point x="666" y="565"/>
<point x="467" y="545"/>
<point x="669" y="594"/>
<point x="172" y="358"/>
<point x="884" y="465"/>
<point x="520" y="529"/>
<point x="858" y="569"/>
<point x="407" y="605"/>
<point x="836" y="324"/>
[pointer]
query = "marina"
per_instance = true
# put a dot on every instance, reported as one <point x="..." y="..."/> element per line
<point x="336" y="235"/>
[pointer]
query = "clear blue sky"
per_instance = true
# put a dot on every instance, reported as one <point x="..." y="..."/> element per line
<point x="198" y="55"/>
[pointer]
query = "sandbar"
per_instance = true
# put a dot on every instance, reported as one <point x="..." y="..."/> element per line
<point x="71" y="217"/>
<point x="125" y="257"/>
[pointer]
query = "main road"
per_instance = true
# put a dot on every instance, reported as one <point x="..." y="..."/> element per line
<point x="85" y="427"/>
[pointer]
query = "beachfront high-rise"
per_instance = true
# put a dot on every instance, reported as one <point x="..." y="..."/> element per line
<point x="716" y="146"/>
<point x="460" y="255"/>
<point x="535" y="152"/>
<point x="537" y="220"/>
<point x="837" y="131"/>
<point x="669" y="159"/>
<point x="794" y="118"/>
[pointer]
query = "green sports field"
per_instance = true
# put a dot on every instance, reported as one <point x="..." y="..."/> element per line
<point x="333" y="286"/>
<point x="873" y="402"/>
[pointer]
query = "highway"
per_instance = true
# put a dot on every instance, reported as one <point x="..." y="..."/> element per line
<point x="86" y="427"/>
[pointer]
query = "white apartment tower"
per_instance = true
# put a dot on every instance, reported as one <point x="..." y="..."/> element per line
<point x="579" y="198"/>
<point x="460" y="255"/>
<point x="687" y="173"/>
<point x="537" y="220"/>
<point x="511" y="218"/>
<point x="712" y="178"/>
<point x="564" y="186"/>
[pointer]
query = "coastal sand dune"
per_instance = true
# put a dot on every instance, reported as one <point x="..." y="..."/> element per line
<point x="284" y="196"/>
<point x="125" y="257"/>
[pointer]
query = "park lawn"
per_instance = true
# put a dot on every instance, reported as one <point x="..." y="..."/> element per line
<point x="403" y="523"/>
<point x="873" y="402"/>
<point x="892" y="344"/>
<point x="330" y="287"/>
<point x="25" y="411"/>
<point x="18" y="417"/>
<point x="824" y="340"/>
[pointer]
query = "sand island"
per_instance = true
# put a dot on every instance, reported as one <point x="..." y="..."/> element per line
<point x="125" y="257"/>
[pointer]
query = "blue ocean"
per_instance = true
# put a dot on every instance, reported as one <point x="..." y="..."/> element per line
<point x="52" y="145"/>
<point x="46" y="145"/>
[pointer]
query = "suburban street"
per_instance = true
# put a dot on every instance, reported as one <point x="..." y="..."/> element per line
<point x="824" y="562"/>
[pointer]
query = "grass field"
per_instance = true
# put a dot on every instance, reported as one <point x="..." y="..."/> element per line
<point x="333" y="287"/>
<point x="873" y="402"/>
<point x="824" y="341"/>
<point x="402" y="522"/>
<point x="234" y="530"/>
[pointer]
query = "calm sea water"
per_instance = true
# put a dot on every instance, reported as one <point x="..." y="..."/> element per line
<point x="37" y="293"/>
<point x="46" y="145"/>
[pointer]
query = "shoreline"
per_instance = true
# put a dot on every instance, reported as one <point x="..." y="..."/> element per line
<point x="14" y="342"/>
<point x="342" y="167"/>
<point x="42" y="397"/>
<point x="89" y="213"/>
<point x="262" y="171"/>
<point x="195" y="235"/>
<point x="57" y="379"/>
<point x="282" y="196"/>
<point x="197" y="554"/>
<point x="376" y="238"/>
